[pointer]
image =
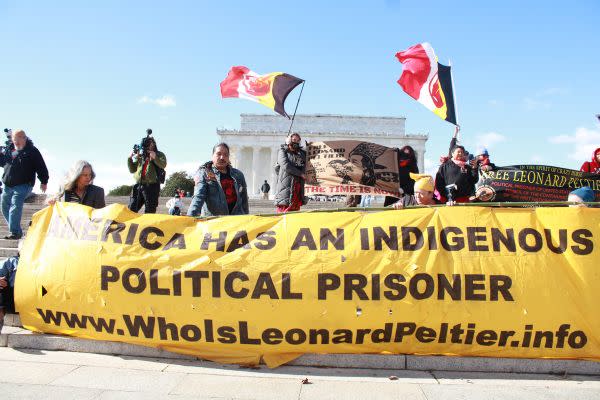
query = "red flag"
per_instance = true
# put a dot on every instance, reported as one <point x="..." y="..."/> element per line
<point x="270" y="90"/>
<point x="427" y="81"/>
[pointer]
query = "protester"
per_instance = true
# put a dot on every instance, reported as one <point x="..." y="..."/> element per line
<point x="291" y="167"/>
<point x="594" y="165"/>
<point x="8" y="272"/>
<point x="174" y="204"/>
<point x="453" y="143"/>
<point x="145" y="168"/>
<point x="352" y="201"/>
<point x="77" y="187"/>
<point x="264" y="189"/>
<point x="482" y="161"/>
<point x="423" y="193"/>
<point x="407" y="164"/>
<point x="21" y="162"/>
<point x="582" y="195"/>
<point x="220" y="189"/>
<point x="455" y="179"/>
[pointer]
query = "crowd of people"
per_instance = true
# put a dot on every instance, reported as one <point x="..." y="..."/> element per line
<point x="220" y="189"/>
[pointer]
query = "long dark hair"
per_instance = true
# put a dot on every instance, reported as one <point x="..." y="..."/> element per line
<point x="408" y="152"/>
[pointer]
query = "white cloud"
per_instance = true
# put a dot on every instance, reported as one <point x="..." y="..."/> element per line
<point x="534" y="104"/>
<point x="562" y="139"/>
<point x="489" y="139"/>
<point x="495" y="103"/>
<point x="584" y="142"/>
<point x="540" y="100"/>
<point x="536" y="158"/>
<point x="552" y="91"/>
<point x="164" y="101"/>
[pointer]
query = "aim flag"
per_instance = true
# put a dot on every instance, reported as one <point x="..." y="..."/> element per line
<point x="269" y="90"/>
<point x="427" y="81"/>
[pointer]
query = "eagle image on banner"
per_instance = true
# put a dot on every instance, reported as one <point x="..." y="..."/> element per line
<point x="427" y="81"/>
<point x="340" y="167"/>
<point x="270" y="90"/>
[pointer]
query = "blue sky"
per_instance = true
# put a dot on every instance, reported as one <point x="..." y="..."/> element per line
<point x="85" y="81"/>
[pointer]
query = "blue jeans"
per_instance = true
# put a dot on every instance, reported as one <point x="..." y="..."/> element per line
<point x="12" y="206"/>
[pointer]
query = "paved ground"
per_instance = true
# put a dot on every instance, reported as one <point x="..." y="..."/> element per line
<point x="34" y="374"/>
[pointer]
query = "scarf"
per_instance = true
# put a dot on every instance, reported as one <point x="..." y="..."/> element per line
<point x="460" y="163"/>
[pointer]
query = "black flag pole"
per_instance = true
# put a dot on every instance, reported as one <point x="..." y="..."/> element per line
<point x="296" y="109"/>
<point x="456" y="136"/>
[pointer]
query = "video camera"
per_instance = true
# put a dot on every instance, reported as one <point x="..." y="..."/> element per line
<point x="8" y="142"/>
<point x="451" y="191"/>
<point x="144" y="143"/>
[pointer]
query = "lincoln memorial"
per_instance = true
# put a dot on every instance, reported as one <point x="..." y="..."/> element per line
<point x="254" y="146"/>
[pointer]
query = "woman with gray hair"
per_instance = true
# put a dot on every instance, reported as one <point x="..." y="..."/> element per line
<point x="77" y="187"/>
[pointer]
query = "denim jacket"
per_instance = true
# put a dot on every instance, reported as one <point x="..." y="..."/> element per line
<point x="209" y="197"/>
<point x="8" y="270"/>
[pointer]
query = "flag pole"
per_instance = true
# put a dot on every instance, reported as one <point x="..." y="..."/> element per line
<point x="296" y="109"/>
<point x="454" y="94"/>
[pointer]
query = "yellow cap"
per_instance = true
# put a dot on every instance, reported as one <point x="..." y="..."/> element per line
<point x="422" y="182"/>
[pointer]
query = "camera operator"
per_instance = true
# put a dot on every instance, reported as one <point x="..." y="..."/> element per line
<point x="144" y="162"/>
<point x="21" y="161"/>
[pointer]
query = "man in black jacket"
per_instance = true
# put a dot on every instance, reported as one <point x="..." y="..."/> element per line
<point x="264" y="189"/>
<point x="21" y="162"/>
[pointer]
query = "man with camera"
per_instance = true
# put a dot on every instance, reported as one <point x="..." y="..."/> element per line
<point x="21" y="161"/>
<point x="148" y="166"/>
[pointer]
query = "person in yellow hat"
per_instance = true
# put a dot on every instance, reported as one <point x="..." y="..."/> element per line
<point x="423" y="193"/>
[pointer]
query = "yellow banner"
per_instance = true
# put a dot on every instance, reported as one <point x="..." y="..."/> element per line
<point x="456" y="280"/>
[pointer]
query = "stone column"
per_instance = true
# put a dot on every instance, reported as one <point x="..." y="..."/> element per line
<point x="233" y="156"/>
<point x="241" y="160"/>
<point x="421" y="159"/>
<point x="273" y="176"/>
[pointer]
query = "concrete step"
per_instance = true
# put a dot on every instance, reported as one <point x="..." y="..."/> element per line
<point x="6" y="232"/>
<point x="19" y="338"/>
<point x="26" y="214"/>
<point x="8" y="251"/>
<point x="12" y="320"/>
<point x="5" y="243"/>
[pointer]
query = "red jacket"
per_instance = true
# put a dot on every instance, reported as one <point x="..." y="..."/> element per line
<point x="592" y="166"/>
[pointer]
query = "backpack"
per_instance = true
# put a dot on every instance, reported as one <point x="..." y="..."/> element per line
<point x="161" y="174"/>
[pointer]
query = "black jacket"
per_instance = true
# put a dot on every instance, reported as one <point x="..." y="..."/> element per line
<point x="289" y="168"/>
<point x="24" y="166"/>
<point x="93" y="197"/>
<point x="465" y="179"/>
